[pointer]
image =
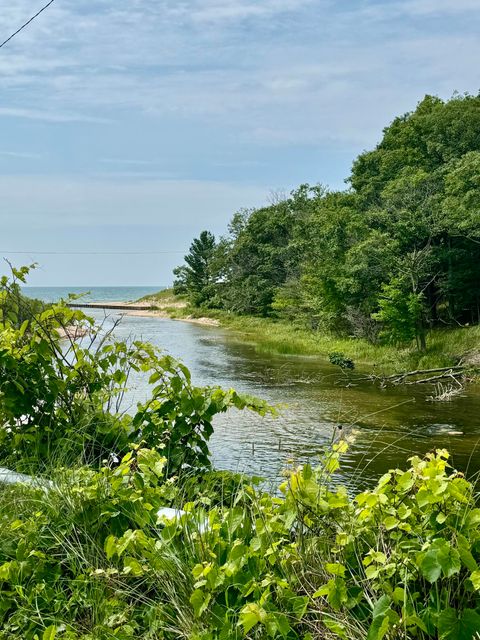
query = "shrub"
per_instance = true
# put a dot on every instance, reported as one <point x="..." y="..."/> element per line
<point x="62" y="401"/>
<point x="92" y="560"/>
<point x="341" y="360"/>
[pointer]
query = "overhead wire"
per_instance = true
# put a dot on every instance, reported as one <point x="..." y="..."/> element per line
<point x="26" y="24"/>
<point x="88" y="253"/>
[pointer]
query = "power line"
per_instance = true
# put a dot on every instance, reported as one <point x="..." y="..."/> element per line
<point x="88" y="253"/>
<point x="26" y="23"/>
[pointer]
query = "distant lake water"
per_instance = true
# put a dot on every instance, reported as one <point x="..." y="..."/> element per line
<point x="92" y="294"/>
<point x="387" y="426"/>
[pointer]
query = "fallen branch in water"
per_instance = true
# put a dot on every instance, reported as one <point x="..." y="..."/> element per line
<point x="453" y="372"/>
<point x="448" y="392"/>
<point x="450" y="374"/>
<point x="418" y="372"/>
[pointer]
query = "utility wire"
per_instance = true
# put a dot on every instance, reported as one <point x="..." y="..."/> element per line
<point x="87" y="253"/>
<point x="26" y="23"/>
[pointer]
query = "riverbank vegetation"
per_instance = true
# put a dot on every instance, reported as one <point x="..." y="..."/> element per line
<point x="125" y="530"/>
<point x="446" y="347"/>
<point x="393" y="261"/>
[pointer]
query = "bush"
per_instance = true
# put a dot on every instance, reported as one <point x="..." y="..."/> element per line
<point x="92" y="560"/>
<point x="341" y="360"/>
<point x="61" y="402"/>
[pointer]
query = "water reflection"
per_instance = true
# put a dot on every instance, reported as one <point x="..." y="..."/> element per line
<point x="387" y="425"/>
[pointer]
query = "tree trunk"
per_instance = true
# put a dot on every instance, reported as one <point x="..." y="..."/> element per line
<point x="420" y="337"/>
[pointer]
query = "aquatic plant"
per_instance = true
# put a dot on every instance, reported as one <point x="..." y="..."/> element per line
<point x="341" y="360"/>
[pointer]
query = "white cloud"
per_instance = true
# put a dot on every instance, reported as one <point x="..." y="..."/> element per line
<point x="304" y="68"/>
<point x="262" y="71"/>
<point x="439" y="7"/>
<point x="234" y="10"/>
<point x="389" y="10"/>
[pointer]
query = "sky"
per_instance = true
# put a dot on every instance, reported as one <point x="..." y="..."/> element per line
<point x="128" y="126"/>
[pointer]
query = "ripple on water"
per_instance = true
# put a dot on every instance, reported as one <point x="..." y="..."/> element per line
<point x="389" y="425"/>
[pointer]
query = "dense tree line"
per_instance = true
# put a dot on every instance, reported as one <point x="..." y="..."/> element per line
<point x="393" y="255"/>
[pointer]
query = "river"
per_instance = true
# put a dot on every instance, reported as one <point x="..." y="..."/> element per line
<point x="386" y="426"/>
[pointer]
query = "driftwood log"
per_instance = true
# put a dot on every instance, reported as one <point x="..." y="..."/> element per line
<point x="421" y="376"/>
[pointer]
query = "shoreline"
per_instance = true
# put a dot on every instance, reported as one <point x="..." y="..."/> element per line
<point x="163" y="313"/>
<point x="150" y="310"/>
<point x="446" y="348"/>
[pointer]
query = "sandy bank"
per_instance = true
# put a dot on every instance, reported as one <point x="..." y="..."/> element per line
<point x="72" y="332"/>
<point x="161" y="313"/>
<point x="155" y="309"/>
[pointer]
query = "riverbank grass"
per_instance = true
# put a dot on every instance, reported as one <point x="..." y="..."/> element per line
<point x="445" y="347"/>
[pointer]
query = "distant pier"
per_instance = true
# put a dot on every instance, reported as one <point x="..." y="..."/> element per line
<point x="119" y="306"/>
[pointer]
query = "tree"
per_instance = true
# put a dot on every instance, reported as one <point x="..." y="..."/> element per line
<point x="256" y="261"/>
<point x="403" y="241"/>
<point x="198" y="278"/>
<point x="266" y="248"/>
<point x="436" y="133"/>
<point x="401" y="313"/>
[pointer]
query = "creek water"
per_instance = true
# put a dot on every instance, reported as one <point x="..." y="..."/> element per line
<point x="386" y="426"/>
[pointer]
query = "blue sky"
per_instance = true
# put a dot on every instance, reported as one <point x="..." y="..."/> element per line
<point x="131" y="125"/>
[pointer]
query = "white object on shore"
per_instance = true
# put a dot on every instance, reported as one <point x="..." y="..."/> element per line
<point x="72" y="332"/>
<point x="168" y="513"/>
<point x="12" y="477"/>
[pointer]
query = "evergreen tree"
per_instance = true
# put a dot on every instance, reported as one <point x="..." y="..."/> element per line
<point x="197" y="278"/>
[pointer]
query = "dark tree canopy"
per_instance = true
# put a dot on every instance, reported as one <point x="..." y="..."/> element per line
<point x="396" y="254"/>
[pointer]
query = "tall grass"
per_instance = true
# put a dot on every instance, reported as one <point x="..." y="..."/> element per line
<point x="445" y="347"/>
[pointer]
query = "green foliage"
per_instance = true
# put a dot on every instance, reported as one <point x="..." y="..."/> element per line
<point x="334" y="260"/>
<point x="341" y="360"/>
<point x="198" y="277"/>
<point x="257" y="260"/>
<point x="93" y="555"/>
<point x="178" y="417"/>
<point x="400" y="312"/>
<point x="16" y="308"/>
<point x="61" y="400"/>
<point x="415" y="529"/>
<point x="92" y="559"/>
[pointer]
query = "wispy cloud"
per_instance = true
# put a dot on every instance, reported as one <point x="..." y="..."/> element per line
<point x="238" y="10"/>
<point x="50" y="116"/>
<point x="22" y="155"/>
<point x="130" y="96"/>
<point x="301" y="68"/>
<point x="440" y="7"/>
